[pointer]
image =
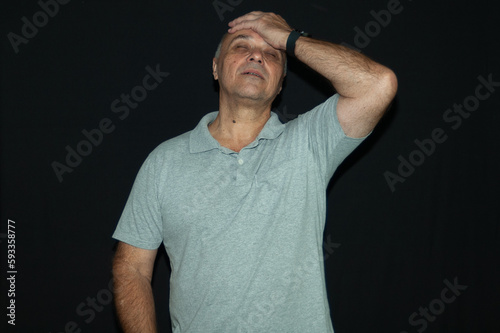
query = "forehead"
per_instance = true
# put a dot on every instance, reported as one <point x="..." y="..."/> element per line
<point x="247" y="34"/>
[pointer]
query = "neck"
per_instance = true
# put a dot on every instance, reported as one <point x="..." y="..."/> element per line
<point x="239" y="123"/>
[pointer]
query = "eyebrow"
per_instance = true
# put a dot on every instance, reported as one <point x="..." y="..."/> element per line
<point x="246" y="37"/>
<point x="240" y="37"/>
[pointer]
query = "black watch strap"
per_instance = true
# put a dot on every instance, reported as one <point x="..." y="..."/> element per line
<point x="292" y="38"/>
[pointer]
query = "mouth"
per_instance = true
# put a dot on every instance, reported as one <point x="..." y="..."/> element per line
<point x="253" y="73"/>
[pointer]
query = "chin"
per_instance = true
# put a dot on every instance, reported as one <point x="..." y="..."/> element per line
<point x="253" y="96"/>
<point x="251" y="93"/>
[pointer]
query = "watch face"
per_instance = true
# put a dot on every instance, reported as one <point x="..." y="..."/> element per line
<point x="303" y="33"/>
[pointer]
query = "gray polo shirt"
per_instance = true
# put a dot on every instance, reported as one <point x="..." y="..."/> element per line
<point x="243" y="231"/>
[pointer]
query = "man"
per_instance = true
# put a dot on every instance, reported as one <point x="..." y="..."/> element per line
<point x="240" y="201"/>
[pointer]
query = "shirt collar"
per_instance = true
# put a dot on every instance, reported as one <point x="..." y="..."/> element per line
<point x="201" y="140"/>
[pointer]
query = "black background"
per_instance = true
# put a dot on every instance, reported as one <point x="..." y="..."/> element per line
<point x="387" y="251"/>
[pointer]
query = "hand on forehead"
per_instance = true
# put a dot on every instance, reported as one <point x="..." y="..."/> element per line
<point x="269" y="26"/>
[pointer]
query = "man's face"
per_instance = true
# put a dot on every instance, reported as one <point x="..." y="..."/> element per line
<point x="248" y="67"/>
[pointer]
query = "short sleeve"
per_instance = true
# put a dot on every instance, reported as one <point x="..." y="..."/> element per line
<point x="325" y="136"/>
<point x="140" y="224"/>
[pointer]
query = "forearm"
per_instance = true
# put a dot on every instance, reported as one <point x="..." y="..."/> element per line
<point x="352" y="74"/>
<point x="134" y="301"/>
<point x="366" y="88"/>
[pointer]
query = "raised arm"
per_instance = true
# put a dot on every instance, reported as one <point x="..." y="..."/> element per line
<point x="366" y="88"/>
<point x="132" y="272"/>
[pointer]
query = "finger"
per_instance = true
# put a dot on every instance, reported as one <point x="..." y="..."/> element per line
<point x="243" y="25"/>
<point x="248" y="16"/>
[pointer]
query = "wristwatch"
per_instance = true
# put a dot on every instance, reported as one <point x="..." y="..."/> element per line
<point x="292" y="38"/>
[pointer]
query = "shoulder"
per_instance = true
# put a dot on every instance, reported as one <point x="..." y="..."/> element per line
<point x="170" y="150"/>
<point x="322" y="115"/>
<point x="173" y="145"/>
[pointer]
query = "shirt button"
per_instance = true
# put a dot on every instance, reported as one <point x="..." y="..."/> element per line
<point x="240" y="161"/>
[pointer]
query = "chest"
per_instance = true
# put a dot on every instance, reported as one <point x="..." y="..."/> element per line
<point x="215" y="191"/>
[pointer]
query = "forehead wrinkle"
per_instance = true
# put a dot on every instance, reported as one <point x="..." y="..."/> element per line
<point x="240" y="37"/>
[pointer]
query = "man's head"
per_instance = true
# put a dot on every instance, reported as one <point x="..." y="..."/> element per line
<point x="247" y="66"/>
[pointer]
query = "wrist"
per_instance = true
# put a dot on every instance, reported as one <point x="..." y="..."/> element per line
<point x="292" y="39"/>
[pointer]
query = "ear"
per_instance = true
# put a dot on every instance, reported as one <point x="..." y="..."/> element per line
<point x="281" y="82"/>
<point x="214" y="69"/>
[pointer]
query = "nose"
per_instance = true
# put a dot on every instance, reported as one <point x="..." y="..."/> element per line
<point x="255" y="56"/>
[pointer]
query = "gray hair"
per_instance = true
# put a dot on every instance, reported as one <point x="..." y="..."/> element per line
<point x="219" y="47"/>
<point x="217" y="52"/>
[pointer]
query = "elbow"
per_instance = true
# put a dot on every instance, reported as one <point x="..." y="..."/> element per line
<point x="383" y="91"/>
<point x="388" y="85"/>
